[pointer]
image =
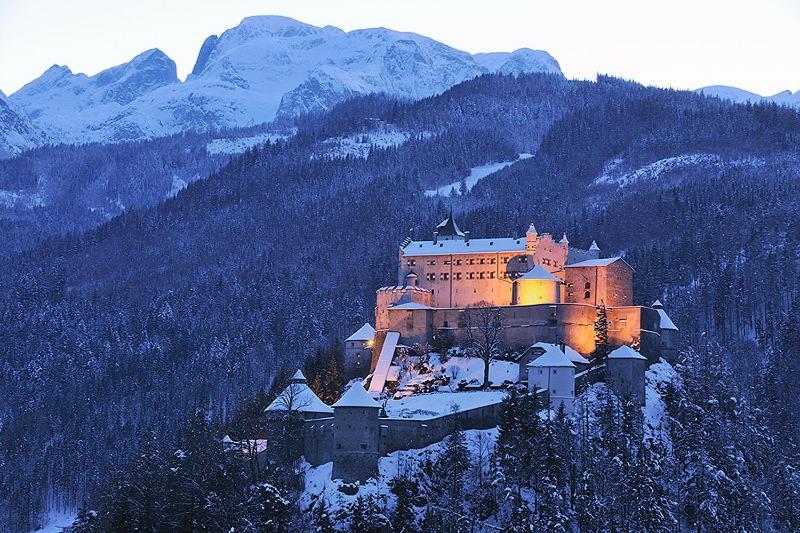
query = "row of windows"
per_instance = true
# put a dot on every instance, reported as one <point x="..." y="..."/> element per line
<point x="473" y="261"/>
<point x="444" y="276"/>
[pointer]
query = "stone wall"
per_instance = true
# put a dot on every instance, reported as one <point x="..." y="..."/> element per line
<point x="318" y="440"/>
<point x="409" y="434"/>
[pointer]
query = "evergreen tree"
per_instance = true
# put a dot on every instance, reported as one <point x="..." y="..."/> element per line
<point x="601" y="325"/>
<point x="403" y="516"/>
<point x="323" y="520"/>
<point x="87" y="521"/>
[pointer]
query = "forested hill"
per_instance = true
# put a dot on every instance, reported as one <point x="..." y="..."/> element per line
<point x="201" y="299"/>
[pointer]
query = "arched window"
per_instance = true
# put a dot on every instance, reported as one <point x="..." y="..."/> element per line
<point x="587" y="295"/>
<point x="587" y="285"/>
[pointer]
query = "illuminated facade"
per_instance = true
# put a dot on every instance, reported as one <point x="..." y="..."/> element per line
<point x="545" y="290"/>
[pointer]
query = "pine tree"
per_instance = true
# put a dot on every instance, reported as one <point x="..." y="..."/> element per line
<point x="87" y="521"/>
<point x="323" y="520"/>
<point x="601" y="325"/>
<point x="403" y="516"/>
<point x="653" y="506"/>
<point x="266" y="508"/>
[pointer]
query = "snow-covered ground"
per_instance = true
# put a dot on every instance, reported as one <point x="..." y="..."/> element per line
<point x="656" y="378"/>
<point x="422" y="406"/>
<point x="658" y="169"/>
<point x="56" y="521"/>
<point x="236" y="145"/>
<point x="475" y="175"/>
<point x="26" y="199"/>
<point x="359" y="145"/>
<point x="318" y="480"/>
<point x="458" y="371"/>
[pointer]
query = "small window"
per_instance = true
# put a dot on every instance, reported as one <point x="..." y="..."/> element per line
<point x="363" y="446"/>
<point x="555" y="371"/>
<point x="587" y="285"/>
<point x="338" y="445"/>
<point x="587" y="295"/>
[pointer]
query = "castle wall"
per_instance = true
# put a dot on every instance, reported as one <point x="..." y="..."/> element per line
<point x="318" y="441"/>
<point x="407" y="434"/>
<point x="386" y="296"/>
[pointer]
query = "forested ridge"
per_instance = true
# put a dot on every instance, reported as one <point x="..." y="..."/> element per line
<point x="201" y="300"/>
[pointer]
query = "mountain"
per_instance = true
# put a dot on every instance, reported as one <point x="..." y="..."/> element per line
<point x="17" y="132"/>
<point x="740" y="96"/>
<point x="265" y="67"/>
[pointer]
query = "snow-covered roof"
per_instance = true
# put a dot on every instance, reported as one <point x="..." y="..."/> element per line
<point x="571" y="353"/>
<point x="541" y="273"/>
<point x="597" y="262"/>
<point x="552" y="357"/>
<point x="298" y="377"/>
<point x="427" y="406"/>
<point x="300" y="398"/>
<point x="594" y="247"/>
<point x="625" y="352"/>
<point x="665" y="322"/>
<point x="459" y="246"/>
<point x="364" y="333"/>
<point x="356" y="396"/>
<point x="410" y="306"/>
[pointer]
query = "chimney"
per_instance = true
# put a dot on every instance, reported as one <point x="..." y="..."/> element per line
<point x="466" y="236"/>
<point x="435" y="236"/>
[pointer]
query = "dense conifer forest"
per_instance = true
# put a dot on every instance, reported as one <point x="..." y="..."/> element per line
<point x="113" y="338"/>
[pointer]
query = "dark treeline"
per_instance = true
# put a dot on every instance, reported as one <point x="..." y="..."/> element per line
<point x="200" y="300"/>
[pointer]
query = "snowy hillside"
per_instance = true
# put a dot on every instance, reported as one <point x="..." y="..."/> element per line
<point x="265" y="66"/>
<point x="740" y="96"/>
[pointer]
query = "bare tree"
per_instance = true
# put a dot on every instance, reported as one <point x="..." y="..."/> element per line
<point x="484" y="325"/>
<point x="293" y="398"/>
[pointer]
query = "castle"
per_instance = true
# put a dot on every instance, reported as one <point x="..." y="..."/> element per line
<point x="545" y="297"/>
<point x="545" y="291"/>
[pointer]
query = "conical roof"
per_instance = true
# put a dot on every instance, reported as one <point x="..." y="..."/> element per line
<point x="449" y="228"/>
<point x="299" y="397"/>
<point x="364" y="333"/>
<point x="564" y="239"/>
<point x="552" y="357"/>
<point x="298" y="377"/>
<point x="539" y="272"/>
<point x="594" y="247"/>
<point x="356" y="396"/>
<point x="625" y="352"/>
<point x="532" y="229"/>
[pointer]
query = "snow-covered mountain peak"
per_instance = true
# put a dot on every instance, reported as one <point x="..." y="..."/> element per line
<point x="740" y="96"/>
<point x="264" y="67"/>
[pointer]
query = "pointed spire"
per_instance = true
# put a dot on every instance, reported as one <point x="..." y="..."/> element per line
<point x="564" y="239"/>
<point x="531" y="230"/>
<point x="594" y="247"/>
<point x="298" y="377"/>
<point x="657" y="305"/>
<point x="357" y="396"/>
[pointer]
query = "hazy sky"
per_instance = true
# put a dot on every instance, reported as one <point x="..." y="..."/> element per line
<point x="753" y="44"/>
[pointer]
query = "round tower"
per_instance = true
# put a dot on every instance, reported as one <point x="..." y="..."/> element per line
<point x="625" y="368"/>
<point x="537" y="286"/>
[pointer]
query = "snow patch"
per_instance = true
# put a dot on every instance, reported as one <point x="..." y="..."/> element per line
<point x="658" y="169"/>
<point x="424" y="406"/>
<point x="56" y="521"/>
<point x="475" y="175"/>
<point x="234" y="145"/>
<point x="360" y="145"/>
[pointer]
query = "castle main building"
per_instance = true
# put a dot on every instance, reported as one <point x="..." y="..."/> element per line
<point x="546" y="291"/>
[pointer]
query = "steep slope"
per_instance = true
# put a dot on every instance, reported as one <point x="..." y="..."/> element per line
<point x="265" y="66"/>
<point x="17" y="132"/>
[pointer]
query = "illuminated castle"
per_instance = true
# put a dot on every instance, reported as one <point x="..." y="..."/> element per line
<point x="545" y="290"/>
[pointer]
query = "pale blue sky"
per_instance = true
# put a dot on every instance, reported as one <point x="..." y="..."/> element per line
<point x="752" y="44"/>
